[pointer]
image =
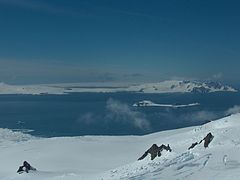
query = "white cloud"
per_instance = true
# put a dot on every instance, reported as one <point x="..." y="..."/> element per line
<point x="87" y="118"/>
<point x="233" y="110"/>
<point x="121" y="112"/>
<point x="201" y="116"/>
<point x="218" y="76"/>
<point x="189" y="117"/>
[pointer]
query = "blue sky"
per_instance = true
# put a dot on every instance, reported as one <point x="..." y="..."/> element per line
<point x="48" y="41"/>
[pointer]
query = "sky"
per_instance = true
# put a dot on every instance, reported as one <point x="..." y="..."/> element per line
<point x="59" y="41"/>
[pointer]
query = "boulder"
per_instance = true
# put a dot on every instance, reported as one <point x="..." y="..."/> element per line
<point x="208" y="139"/>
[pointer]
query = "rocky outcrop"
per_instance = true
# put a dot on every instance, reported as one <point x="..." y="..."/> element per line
<point x="207" y="139"/>
<point x="193" y="145"/>
<point x="200" y="90"/>
<point x="26" y="167"/>
<point x="155" y="151"/>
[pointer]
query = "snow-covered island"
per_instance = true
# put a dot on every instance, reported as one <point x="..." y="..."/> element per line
<point x="116" y="157"/>
<point x="172" y="86"/>
<point x="175" y="86"/>
<point x="147" y="103"/>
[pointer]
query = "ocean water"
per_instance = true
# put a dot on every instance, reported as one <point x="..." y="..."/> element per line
<point x="109" y="113"/>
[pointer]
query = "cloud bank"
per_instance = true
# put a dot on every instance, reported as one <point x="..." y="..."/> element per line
<point x="233" y="110"/>
<point x="200" y="116"/>
<point x="121" y="112"/>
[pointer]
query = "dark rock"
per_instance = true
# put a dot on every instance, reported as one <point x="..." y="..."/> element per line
<point x="193" y="145"/>
<point x="173" y="86"/>
<point x="186" y="81"/>
<point x="200" y="90"/>
<point x="215" y="85"/>
<point x="155" y="151"/>
<point x="141" y="90"/>
<point x="26" y="167"/>
<point x="68" y="89"/>
<point x="208" y="139"/>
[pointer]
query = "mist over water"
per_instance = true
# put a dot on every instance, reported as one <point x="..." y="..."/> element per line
<point x="110" y="113"/>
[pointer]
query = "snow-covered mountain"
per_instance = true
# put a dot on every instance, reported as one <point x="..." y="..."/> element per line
<point x="181" y="86"/>
<point x="115" y="157"/>
<point x="172" y="86"/>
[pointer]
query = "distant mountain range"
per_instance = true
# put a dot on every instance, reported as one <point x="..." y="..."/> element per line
<point x="182" y="86"/>
<point x="172" y="86"/>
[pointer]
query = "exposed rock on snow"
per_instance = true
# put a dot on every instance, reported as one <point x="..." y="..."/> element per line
<point x="26" y="167"/>
<point x="209" y="137"/>
<point x="155" y="151"/>
<point x="193" y="145"/>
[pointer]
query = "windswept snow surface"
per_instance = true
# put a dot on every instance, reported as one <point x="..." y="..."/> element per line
<point x="161" y="87"/>
<point x="115" y="157"/>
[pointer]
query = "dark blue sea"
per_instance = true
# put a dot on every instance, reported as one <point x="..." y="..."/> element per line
<point x="109" y="113"/>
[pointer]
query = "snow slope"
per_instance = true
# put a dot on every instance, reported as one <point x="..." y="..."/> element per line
<point x="161" y="87"/>
<point x="115" y="157"/>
